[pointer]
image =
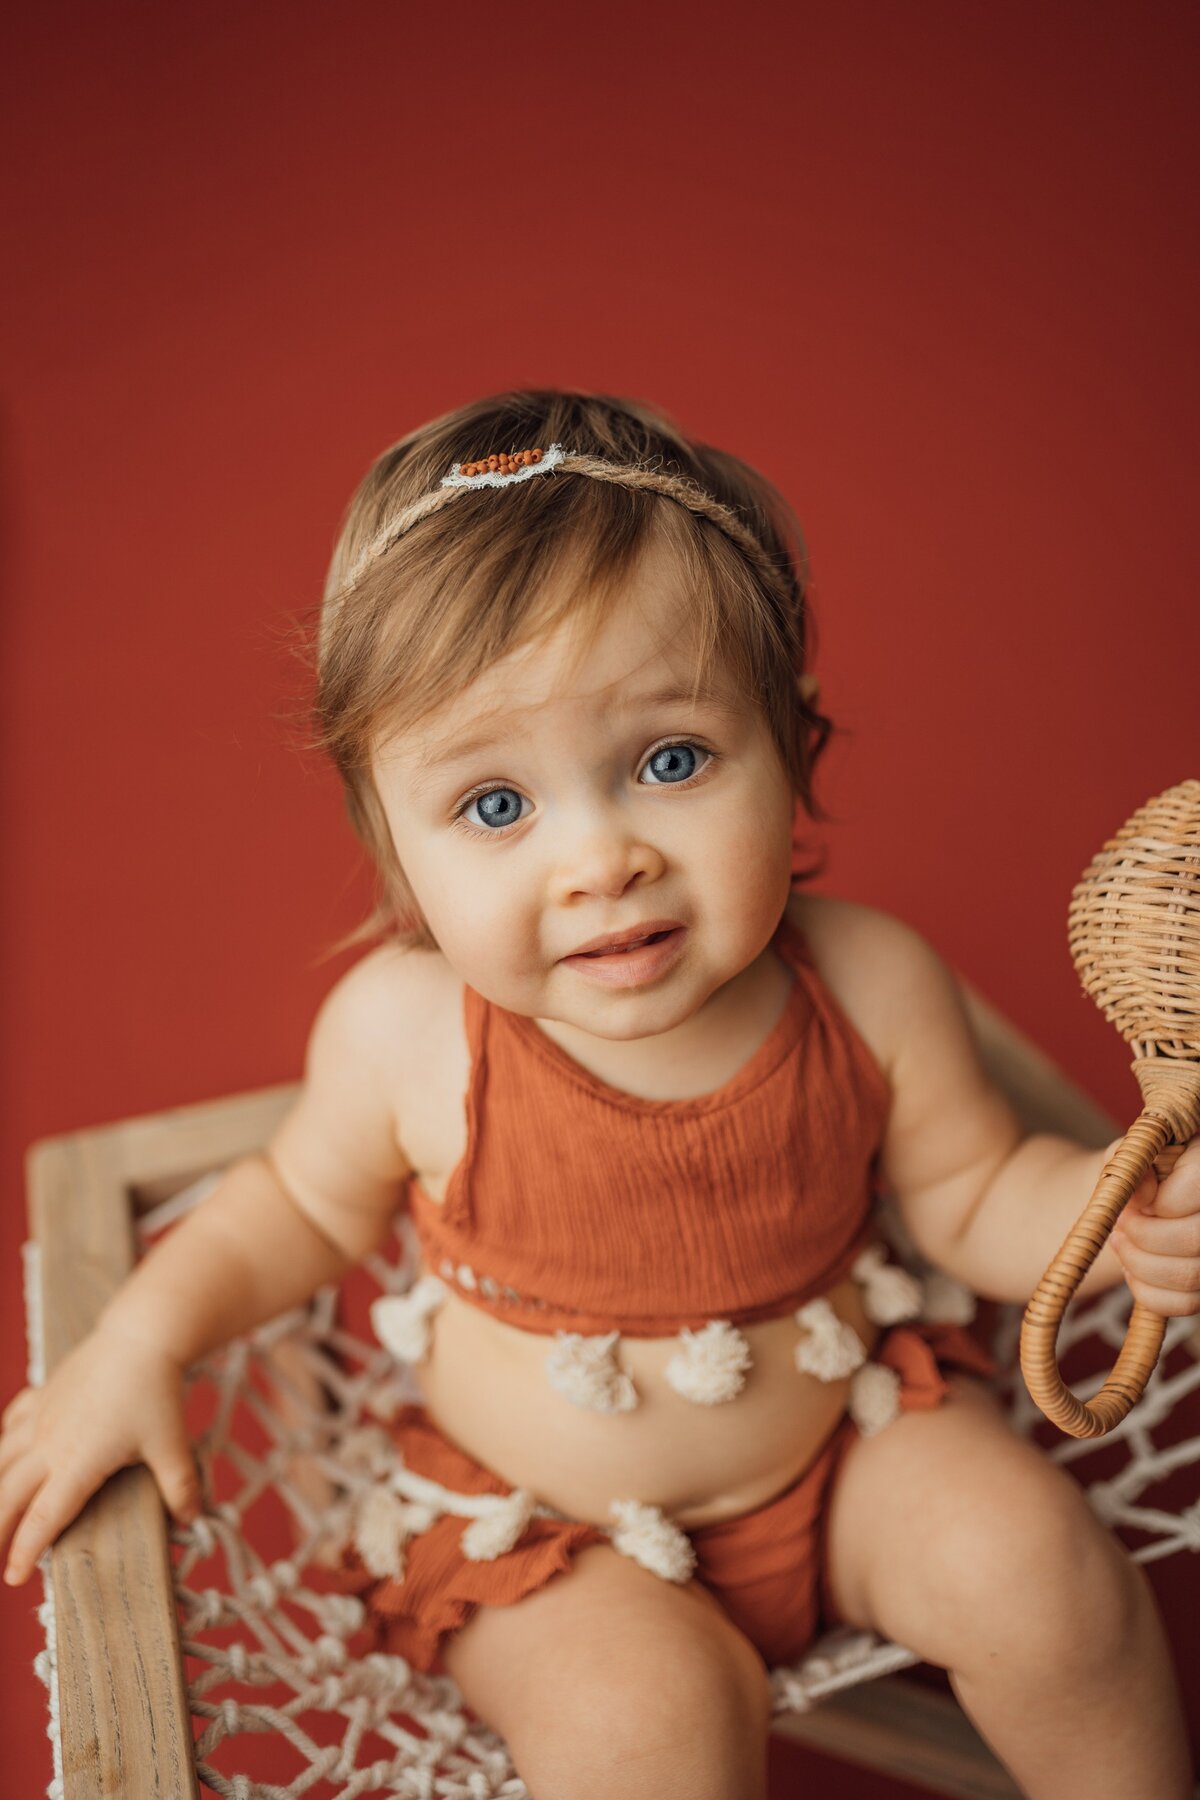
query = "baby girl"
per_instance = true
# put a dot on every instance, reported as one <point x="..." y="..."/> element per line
<point x="638" y="1091"/>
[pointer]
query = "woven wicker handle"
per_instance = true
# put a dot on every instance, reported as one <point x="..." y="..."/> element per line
<point x="1145" y="1142"/>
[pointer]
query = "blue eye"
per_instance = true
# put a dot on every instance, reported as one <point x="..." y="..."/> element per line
<point x="495" y="809"/>
<point x="674" y="762"/>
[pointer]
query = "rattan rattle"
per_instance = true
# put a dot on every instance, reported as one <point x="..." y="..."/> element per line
<point x="1134" y="928"/>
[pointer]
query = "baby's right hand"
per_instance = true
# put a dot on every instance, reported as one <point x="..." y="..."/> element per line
<point x="114" y="1400"/>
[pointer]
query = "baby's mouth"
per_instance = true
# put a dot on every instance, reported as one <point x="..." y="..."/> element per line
<point x="653" y="937"/>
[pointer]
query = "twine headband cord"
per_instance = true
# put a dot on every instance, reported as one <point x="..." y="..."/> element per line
<point x="506" y="471"/>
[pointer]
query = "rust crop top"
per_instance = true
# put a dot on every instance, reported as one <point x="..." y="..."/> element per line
<point x="578" y="1207"/>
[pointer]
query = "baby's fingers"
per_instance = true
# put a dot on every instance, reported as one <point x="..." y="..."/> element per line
<point x="173" y="1467"/>
<point x="1156" y="1235"/>
<point x="55" y="1503"/>
<point x="1168" y="1303"/>
<point x="1168" y="1284"/>
<point x="15" y="1441"/>
<point x="1160" y="1259"/>
<point x="20" y="1483"/>
<point x="19" y="1407"/>
<point x="1179" y="1192"/>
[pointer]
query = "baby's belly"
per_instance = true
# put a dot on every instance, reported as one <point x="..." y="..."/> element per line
<point x="485" y="1384"/>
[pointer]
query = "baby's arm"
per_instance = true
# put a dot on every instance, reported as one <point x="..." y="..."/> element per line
<point x="981" y="1200"/>
<point x="276" y="1228"/>
<point x="283" y="1223"/>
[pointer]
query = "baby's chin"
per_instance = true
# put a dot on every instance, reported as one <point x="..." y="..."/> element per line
<point x="618" y="1029"/>
<point x="627" y="1016"/>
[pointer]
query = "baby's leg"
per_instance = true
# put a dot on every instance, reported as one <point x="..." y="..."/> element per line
<point x="611" y="1680"/>
<point x="951" y="1535"/>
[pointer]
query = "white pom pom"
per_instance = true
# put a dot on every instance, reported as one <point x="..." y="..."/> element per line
<point x="947" y="1302"/>
<point x="418" y="1517"/>
<point x="711" y="1364"/>
<point x="890" y="1293"/>
<point x="585" y="1371"/>
<point x="832" y="1349"/>
<point x="401" y="1321"/>
<point x="874" y="1397"/>
<point x="383" y="1525"/>
<point x="487" y="1538"/>
<point x="652" y="1540"/>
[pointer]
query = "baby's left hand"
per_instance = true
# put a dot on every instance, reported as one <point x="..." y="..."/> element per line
<point x="1157" y="1239"/>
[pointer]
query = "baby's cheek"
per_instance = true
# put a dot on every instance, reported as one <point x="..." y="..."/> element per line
<point x="747" y="873"/>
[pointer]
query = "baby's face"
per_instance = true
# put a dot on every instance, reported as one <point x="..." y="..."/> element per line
<point x="563" y="799"/>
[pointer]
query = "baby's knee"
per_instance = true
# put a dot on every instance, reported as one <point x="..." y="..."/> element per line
<point x="1040" y="1579"/>
<point x="694" y="1724"/>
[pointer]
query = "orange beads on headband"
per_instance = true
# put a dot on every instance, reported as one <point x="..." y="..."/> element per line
<point x="504" y="464"/>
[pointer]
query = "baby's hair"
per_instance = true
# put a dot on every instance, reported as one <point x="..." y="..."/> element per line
<point x="430" y="585"/>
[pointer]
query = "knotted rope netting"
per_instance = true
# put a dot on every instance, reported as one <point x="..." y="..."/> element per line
<point x="290" y="1430"/>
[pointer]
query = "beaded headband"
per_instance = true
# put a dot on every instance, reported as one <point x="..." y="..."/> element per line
<point x="506" y="469"/>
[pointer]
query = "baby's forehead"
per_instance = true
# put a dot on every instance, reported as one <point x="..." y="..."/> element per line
<point x="622" y="670"/>
<point x="654" y="683"/>
<point x="630" y="648"/>
<point x="583" y="647"/>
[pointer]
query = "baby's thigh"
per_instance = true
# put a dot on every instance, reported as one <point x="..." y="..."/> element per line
<point x="960" y="1540"/>
<point x="608" y="1667"/>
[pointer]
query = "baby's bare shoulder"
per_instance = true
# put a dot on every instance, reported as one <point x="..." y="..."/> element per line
<point x="845" y="929"/>
<point x="881" y="971"/>
<point x="389" y="1004"/>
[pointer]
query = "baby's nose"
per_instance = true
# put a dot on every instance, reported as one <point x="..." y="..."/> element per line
<point x="603" y="864"/>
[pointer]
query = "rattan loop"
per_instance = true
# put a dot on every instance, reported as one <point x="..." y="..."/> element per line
<point x="1119" y="1180"/>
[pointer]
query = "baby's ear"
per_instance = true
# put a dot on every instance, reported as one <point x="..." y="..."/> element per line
<point x="809" y="688"/>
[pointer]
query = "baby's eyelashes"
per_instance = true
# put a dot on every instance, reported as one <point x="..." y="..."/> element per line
<point x="489" y="812"/>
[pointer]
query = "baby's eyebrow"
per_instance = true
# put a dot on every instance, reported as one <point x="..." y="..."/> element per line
<point x="451" y="747"/>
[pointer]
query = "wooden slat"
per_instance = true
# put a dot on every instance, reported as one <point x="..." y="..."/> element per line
<point x="900" y="1728"/>
<point x="125" y="1724"/>
<point x="124" y="1721"/>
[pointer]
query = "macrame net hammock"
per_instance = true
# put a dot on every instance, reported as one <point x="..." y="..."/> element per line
<point x="289" y="1430"/>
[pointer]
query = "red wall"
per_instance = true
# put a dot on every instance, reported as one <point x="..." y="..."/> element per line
<point x="932" y="267"/>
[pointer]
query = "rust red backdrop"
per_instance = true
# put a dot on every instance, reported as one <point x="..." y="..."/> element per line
<point x="932" y="267"/>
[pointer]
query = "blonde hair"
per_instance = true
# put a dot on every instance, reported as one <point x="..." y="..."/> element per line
<point x="414" y="612"/>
